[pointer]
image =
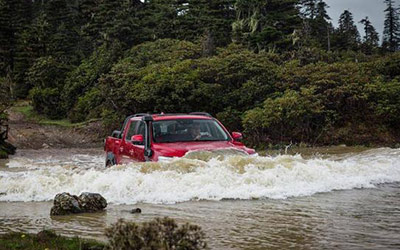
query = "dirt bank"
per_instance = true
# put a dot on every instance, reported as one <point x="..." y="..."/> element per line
<point x="26" y="133"/>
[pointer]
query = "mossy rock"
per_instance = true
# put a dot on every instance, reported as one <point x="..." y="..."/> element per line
<point x="6" y="149"/>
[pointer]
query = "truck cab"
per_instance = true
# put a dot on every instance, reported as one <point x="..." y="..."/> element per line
<point x="159" y="137"/>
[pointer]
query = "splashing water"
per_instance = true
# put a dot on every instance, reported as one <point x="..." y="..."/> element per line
<point x="198" y="176"/>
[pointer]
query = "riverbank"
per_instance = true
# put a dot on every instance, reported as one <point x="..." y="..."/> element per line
<point x="46" y="240"/>
<point x="28" y="130"/>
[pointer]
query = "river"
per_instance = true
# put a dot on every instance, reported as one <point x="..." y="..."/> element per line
<point x="345" y="199"/>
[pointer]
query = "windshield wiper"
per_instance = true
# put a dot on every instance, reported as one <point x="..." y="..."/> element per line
<point x="210" y="140"/>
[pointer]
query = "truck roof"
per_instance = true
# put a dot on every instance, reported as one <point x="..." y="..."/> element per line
<point x="162" y="116"/>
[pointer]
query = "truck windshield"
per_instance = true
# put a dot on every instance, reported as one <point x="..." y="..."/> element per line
<point x="185" y="130"/>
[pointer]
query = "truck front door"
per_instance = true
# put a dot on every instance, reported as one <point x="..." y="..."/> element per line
<point x="133" y="151"/>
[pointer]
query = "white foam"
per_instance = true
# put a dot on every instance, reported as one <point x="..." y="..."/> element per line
<point x="216" y="178"/>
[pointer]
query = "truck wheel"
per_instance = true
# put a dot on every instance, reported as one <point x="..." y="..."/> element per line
<point x="110" y="161"/>
<point x="108" y="164"/>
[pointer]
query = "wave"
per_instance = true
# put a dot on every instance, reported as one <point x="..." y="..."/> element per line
<point x="198" y="176"/>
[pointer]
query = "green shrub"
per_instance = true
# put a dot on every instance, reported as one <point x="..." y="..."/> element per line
<point x="156" y="234"/>
<point x="47" y="76"/>
<point x="296" y="116"/>
<point x="88" y="106"/>
<point x="47" y="101"/>
<point x="86" y="75"/>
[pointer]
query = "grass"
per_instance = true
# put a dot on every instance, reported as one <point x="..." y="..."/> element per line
<point x="45" y="240"/>
<point x="26" y="109"/>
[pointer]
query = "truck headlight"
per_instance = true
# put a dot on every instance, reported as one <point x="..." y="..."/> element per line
<point x="165" y="159"/>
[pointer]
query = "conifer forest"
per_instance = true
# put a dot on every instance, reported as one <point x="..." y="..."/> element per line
<point x="280" y="71"/>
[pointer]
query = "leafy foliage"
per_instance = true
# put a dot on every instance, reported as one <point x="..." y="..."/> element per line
<point x="47" y="76"/>
<point x="288" y="75"/>
<point x="326" y="103"/>
<point x="156" y="234"/>
<point x="262" y="27"/>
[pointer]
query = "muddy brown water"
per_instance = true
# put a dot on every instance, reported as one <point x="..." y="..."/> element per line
<point x="336" y="198"/>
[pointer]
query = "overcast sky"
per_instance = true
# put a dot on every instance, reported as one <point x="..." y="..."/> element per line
<point x="360" y="9"/>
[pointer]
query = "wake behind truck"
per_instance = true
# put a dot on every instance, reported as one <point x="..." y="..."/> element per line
<point x="160" y="137"/>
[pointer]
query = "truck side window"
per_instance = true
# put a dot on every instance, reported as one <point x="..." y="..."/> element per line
<point x="131" y="130"/>
<point x="141" y="129"/>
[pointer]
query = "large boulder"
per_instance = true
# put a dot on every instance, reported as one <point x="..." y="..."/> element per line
<point x="65" y="203"/>
<point x="92" y="202"/>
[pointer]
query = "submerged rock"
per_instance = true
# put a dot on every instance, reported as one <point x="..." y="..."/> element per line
<point x="92" y="202"/>
<point x="136" y="211"/>
<point x="65" y="203"/>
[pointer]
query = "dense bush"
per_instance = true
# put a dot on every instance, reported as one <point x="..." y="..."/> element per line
<point x="170" y="76"/>
<point x="274" y="98"/>
<point x="156" y="234"/>
<point x="308" y="95"/>
<point x="47" y="101"/>
<point x="327" y="103"/>
<point x="47" y="76"/>
<point x="5" y="102"/>
<point x="80" y="84"/>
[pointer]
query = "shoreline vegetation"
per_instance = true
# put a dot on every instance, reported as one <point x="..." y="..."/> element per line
<point x="279" y="71"/>
<point x="159" y="233"/>
<point x="46" y="239"/>
<point x="23" y="119"/>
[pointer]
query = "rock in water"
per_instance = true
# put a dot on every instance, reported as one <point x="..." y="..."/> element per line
<point x="92" y="202"/>
<point x="136" y="211"/>
<point x="65" y="203"/>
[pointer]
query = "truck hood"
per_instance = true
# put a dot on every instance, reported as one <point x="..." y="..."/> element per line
<point x="179" y="149"/>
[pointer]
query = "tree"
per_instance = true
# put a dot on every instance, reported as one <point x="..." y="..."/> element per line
<point x="308" y="8"/>
<point x="321" y="26"/>
<point x="211" y="18"/>
<point x="47" y="76"/>
<point x="316" y="26"/>
<point x="15" y="16"/>
<point x="266" y="25"/>
<point x="391" y="32"/>
<point x="371" y="38"/>
<point x="6" y="37"/>
<point x="33" y="43"/>
<point x="124" y="26"/>
<point x="64" y="38"/>
<point x="347" y="36"/>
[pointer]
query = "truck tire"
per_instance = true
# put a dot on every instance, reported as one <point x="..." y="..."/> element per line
<point x="110" y="160"/>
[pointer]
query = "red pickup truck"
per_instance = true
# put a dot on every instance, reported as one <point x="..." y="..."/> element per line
<point x="160" y="137"/>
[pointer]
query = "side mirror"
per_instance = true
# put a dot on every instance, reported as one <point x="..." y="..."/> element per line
<point x="116" y="134"/>
<point x="237" y="136"/>
<point x="137" y="139"/>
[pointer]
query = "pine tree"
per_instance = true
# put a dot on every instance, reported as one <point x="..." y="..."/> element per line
<point x="391" y="32"/>
<point x="309" y="8"/>
<point x="15" y="16"/>
<point x="371" y="37"/>
<point x="6" y="37"/>
<point x="210" y="18"/>
<point x="321" y="27"/>
<point x="64" y="38"/>
<point x="347" y="36"/>
<point x="111" y="20"/>
<point x="266" y="24"/>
